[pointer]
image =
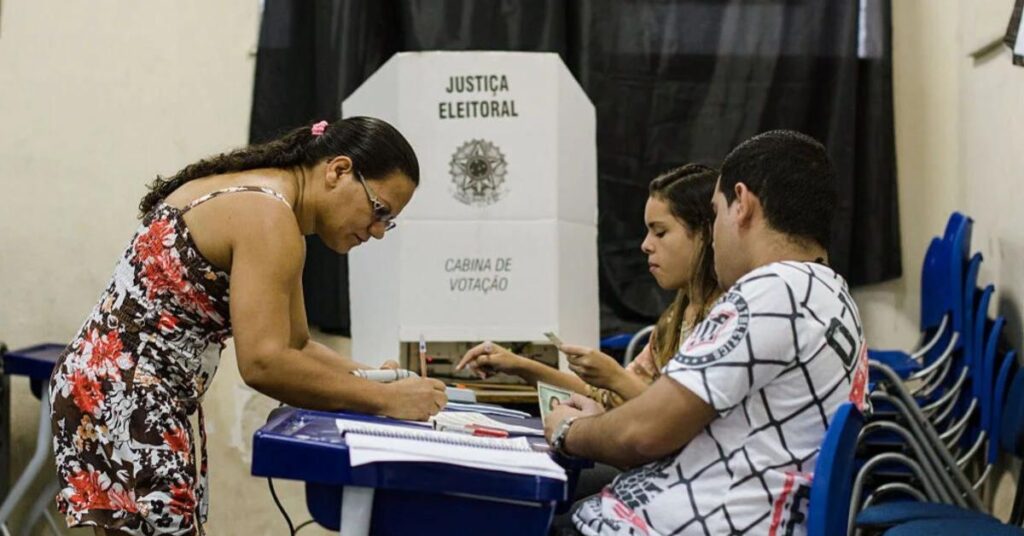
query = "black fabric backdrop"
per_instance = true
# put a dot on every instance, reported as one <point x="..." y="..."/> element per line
<point x="672" y="82"/>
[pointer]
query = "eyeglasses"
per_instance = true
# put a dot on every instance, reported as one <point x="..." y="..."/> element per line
<point x="381" y="212"/>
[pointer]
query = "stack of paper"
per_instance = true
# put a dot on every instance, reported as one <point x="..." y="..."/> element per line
<point x="453" y="419"/>
<point x="372" y="443"/>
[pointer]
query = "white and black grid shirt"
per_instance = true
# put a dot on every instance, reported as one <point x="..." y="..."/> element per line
<point x="776" y="356"/>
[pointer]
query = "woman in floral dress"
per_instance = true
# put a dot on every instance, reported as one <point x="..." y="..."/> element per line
<point x="232" y="225"/>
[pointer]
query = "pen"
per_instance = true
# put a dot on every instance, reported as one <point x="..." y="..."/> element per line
<point x="423" y="356"/>
<point x="475" y="430"/>
<point x="487" y="431"/>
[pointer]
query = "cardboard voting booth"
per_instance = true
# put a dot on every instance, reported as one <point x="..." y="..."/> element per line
<point x="500" y="240"/>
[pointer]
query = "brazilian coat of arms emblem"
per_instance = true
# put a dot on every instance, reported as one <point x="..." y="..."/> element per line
<point x="478" y="170"/>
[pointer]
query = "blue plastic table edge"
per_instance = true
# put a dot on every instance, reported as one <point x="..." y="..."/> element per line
<point x="278" y="455"/>
<point x="35" y="361"/>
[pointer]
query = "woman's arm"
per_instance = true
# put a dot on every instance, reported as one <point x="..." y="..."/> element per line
<point x="640" y="374"/>
<point x="534" y="371"/>
<point x="488" y="358"/>
<point x="629" y="386"/>
<point x="275" y="353"/>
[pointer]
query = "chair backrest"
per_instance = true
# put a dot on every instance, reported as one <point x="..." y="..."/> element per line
<point x="1007" y="369"/>
<point x="985" y="376"/>
<point x="956" y="219"/>
<point x="934" y="280"/>
<point x="831" y="488"/>
<point x="1011" y="434"/>
<point x="963" y="313"/>
<point x="980" y="324"/>
<point x="636" y="342"/>
<point x="958" y="237"/>
<point x="975" y="335"/>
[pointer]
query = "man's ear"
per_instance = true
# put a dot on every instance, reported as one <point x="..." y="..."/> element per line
<point x="747" y="204"/>
<point x="336" y="169"/>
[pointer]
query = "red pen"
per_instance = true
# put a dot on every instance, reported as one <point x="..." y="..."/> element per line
<point x="475" y="430"/>
<point x="487" y="431"/>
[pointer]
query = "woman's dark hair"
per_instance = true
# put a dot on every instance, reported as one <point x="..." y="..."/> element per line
<point x="687" y="190"/>
<point x="375" y="147"/>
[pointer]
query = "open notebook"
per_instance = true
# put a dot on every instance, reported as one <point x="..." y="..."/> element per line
<point x="371" y="443"/>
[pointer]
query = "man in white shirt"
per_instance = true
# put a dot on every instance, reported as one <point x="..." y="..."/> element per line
<point x="725" y="442"/>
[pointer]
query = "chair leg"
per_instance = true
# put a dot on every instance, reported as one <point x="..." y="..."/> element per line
<point x="39" y="506"/>
<point x="1017" y="515"/>
<point x="40" y="456"/>
<point x="54" y="526"/>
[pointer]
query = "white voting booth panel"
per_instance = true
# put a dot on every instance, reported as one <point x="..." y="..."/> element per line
<point x="500" y="239"/>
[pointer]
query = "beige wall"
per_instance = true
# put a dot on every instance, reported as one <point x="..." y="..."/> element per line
<point x="991" y="108"/>
<point x="95" y="99"/>
<point x="960" y="146"/>
<point x="959" y="140"/>
<point x="926" y="92"/>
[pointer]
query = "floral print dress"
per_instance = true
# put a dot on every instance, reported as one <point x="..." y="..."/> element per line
<point x="123" y="391"/>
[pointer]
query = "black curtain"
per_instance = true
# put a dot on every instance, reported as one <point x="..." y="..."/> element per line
<point x="672" y="82"/>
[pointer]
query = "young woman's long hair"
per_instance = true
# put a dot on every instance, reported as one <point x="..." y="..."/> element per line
<point x="375" y="147"/>
<point x="687" y="190"/>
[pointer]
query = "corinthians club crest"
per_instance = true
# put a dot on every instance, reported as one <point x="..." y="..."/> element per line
<point x="478" y="173"/>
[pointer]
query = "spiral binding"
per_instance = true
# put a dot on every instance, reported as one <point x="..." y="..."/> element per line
<point x="432" y="436"/>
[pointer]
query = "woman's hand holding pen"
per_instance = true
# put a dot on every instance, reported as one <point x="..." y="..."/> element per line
<point x="415" y="399"/>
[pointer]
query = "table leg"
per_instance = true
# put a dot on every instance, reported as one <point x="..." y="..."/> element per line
<point x="356" y="508"/>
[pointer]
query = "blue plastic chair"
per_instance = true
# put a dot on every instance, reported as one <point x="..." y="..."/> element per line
<point x="986" y="378"/>
<point x="972" y="298"/>
<point x="954" y="527"/>
<point x="943" y="519"/>
<point x="833" y="474"/>
<point x="1007" y="370"/>
<point x="943" y="311"/>
<point x="936" y="314"/>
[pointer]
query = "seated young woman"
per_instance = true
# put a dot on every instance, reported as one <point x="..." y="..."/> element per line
<point x="678" y="216"/>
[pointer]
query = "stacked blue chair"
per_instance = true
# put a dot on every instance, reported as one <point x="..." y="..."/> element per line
<point x="987" y="420"/>
<point x="942" y="310"/>
<point x="937" y="372"/>
<point x="905" y="518"/>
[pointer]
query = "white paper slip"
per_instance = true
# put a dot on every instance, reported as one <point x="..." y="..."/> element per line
<point x="372" y="442"/>
<point x="463" y="418"/>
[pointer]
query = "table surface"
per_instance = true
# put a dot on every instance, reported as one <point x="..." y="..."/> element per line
<point x="36" y="362"/>
<point x="306" y="445"/>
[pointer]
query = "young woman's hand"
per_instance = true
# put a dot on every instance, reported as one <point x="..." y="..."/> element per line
<point x="487" y="359"/>
<point x="414" y="399"/>
<point x="596" y="368"/>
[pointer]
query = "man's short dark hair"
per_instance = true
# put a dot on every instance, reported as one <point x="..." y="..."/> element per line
<point x="793" y="177"/>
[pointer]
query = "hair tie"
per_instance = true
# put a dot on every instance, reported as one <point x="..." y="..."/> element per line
<point x="318" y="128"/>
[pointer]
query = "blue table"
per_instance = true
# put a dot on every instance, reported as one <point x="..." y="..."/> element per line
<point x="401" y="498"/>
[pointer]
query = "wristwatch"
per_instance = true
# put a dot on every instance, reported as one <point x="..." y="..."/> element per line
<point x="561" y="431"/>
